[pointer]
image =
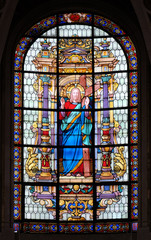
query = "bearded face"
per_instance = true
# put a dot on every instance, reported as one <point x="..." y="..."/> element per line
<point x="75" y="95"/>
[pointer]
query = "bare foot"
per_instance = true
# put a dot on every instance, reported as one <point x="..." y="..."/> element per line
<point x="78" y="175"/>
<point x="68" y="175"/>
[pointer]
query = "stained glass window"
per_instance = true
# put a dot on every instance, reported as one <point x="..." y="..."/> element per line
<point x="75" y="127"/>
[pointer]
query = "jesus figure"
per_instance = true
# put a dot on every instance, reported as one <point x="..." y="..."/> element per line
<point x="76" y="127"/>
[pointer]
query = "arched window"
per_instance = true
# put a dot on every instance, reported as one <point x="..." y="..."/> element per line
<point x="75" y="127"/>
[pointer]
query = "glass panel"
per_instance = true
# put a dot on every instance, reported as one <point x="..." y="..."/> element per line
<point x="42" y="56"/>
<point x="76" y="203"/>
<point x="21" y="49"/>
<point x="75" y="55"/>
<point x="113" y="91"/>
<point x="68" y="142"/>
<point x="134" y="226"/>
<point x="75" y="17"/>
<point x="18" y="89"/>
<point x="134" y="201"/>
<point x="75" y="165"/>
<point x="133" y="88"/>
<point x="75" y="128"/>
<point x="111" y="164"/>
<point x="112" y="202"/>
<point x="17" y="201"/>
<point x="40" y="91"/>
<point x="99" y="32"/>
<point x="80" y="82"/>
<point x="75" y="30"/>
<point x="109" y="55"/>
<point x="108" y="25"/>
<point x="130" y="51"/>
<point x="134" y="163"/>
<point x="39" y="227"/>
<point x="17" y="127"/>
<point x="40" y="127"/>
<point x="50" y="33"/>
<point x="111" y="127"/>
<point x="40" y="164"/>
<point x="76" y="228"/>
<point x="134" y="125"/>
<point x="75" y="133"/>
<point x="41" y="26"/>
<point x="16" y="227"/>
<point x="17" y="164"/>
<point x="111" y="227"/>
<point x="40" y="202"/>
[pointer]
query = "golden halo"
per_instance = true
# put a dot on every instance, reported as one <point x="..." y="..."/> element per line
<point x="69" y="89"/>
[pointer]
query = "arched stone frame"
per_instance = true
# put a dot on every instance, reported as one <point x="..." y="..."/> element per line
<point x="143" y="109"/>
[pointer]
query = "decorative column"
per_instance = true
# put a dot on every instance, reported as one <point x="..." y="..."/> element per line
<point x="40" y="107"/>
<point x="45" y="62"/>
<point x="45" y="151"/>
<point x="111" y="94"/>
<point x="53" y="129"/>
<point x="106" y="151"/>
<point x="107" y="63"/>
<point x="99" y="153"/>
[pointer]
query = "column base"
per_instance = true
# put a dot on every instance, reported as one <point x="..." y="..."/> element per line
<point x="106" y="173"/>
<point x="106" y="177"/>
<point x="45" y="176"/>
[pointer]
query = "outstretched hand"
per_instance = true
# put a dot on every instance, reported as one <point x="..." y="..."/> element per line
<point x="87" y="101"/>
<point x="62" y="101"/>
